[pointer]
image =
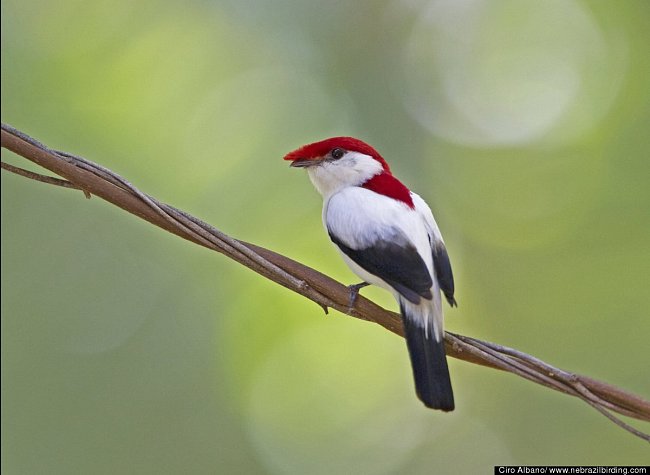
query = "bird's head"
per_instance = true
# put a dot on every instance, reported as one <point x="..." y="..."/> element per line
<point x="338" y="162"/>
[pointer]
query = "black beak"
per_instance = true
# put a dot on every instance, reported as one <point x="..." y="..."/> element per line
<point x="304" y="163"/>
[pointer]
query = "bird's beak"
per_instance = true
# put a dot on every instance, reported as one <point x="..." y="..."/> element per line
<point x="304" y="163"/>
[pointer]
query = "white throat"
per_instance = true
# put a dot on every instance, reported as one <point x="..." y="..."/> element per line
<point x="353" y="169"/>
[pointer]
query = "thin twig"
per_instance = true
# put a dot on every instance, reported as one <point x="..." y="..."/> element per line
<point x="50" y="180"/>
<point x="83" y="174"/>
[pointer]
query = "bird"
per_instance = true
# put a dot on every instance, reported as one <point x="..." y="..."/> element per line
<point x="388" y="237"/>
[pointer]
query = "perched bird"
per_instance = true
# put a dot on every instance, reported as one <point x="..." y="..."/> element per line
<point x="388" y="237"/>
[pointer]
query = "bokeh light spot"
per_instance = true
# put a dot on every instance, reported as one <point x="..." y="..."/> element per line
<point x="495" y="73"/>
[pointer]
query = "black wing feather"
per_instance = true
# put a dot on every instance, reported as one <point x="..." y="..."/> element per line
<point x="396" y="261"/>
<point x="444" y="274"/>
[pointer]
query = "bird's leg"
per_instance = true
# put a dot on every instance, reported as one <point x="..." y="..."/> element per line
<point x="354" y="292"/>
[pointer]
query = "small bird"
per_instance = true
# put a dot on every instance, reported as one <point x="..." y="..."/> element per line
<point x="388" y="237"/>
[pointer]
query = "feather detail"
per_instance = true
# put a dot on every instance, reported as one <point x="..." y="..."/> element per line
<point x="429" y="363"/>
<point x="387" y="185"/>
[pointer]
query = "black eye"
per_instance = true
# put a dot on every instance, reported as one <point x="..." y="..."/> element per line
<point x="337" y="153"/>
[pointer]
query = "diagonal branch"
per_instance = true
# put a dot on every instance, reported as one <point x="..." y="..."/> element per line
<point x="94" y="179"/>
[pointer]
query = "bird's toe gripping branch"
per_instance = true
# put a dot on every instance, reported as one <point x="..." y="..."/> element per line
<point x="354" y="293"/>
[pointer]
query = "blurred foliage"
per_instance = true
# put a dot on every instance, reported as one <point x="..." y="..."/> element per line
<point x="127" y="350"/>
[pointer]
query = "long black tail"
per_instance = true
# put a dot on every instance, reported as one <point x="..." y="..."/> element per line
<point x="429" y="363"/>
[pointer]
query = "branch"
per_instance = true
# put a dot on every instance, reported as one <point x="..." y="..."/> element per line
<point x="41" y="178"/>
<point x="94" y="179"/>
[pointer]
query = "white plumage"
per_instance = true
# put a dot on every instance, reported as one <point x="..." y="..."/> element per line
<point x="360" y="218"/>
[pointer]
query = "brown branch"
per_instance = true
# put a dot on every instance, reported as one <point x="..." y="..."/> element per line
<point x="323" y="290"/>
<point x="42" y="178"/>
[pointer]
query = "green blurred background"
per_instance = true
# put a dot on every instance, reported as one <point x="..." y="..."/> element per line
<point x="127" y="350"/>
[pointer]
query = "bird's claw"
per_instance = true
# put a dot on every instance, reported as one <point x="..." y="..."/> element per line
<point x="354" y="293"/>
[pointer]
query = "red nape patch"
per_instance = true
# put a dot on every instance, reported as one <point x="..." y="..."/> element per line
<point x="387" y="185"/>
<point x="322" y="148"/>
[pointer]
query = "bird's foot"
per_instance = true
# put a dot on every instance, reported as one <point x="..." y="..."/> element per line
<point x="354" y="293"/>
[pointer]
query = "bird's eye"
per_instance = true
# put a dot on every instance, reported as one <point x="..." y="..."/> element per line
<point x="337" y="153"/>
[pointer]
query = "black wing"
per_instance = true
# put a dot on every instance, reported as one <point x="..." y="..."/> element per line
<point x="444" y="274"/>
<point x="397" y="262"/>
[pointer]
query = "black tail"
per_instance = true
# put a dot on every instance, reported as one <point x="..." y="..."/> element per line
<point x="429" y="363"/>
